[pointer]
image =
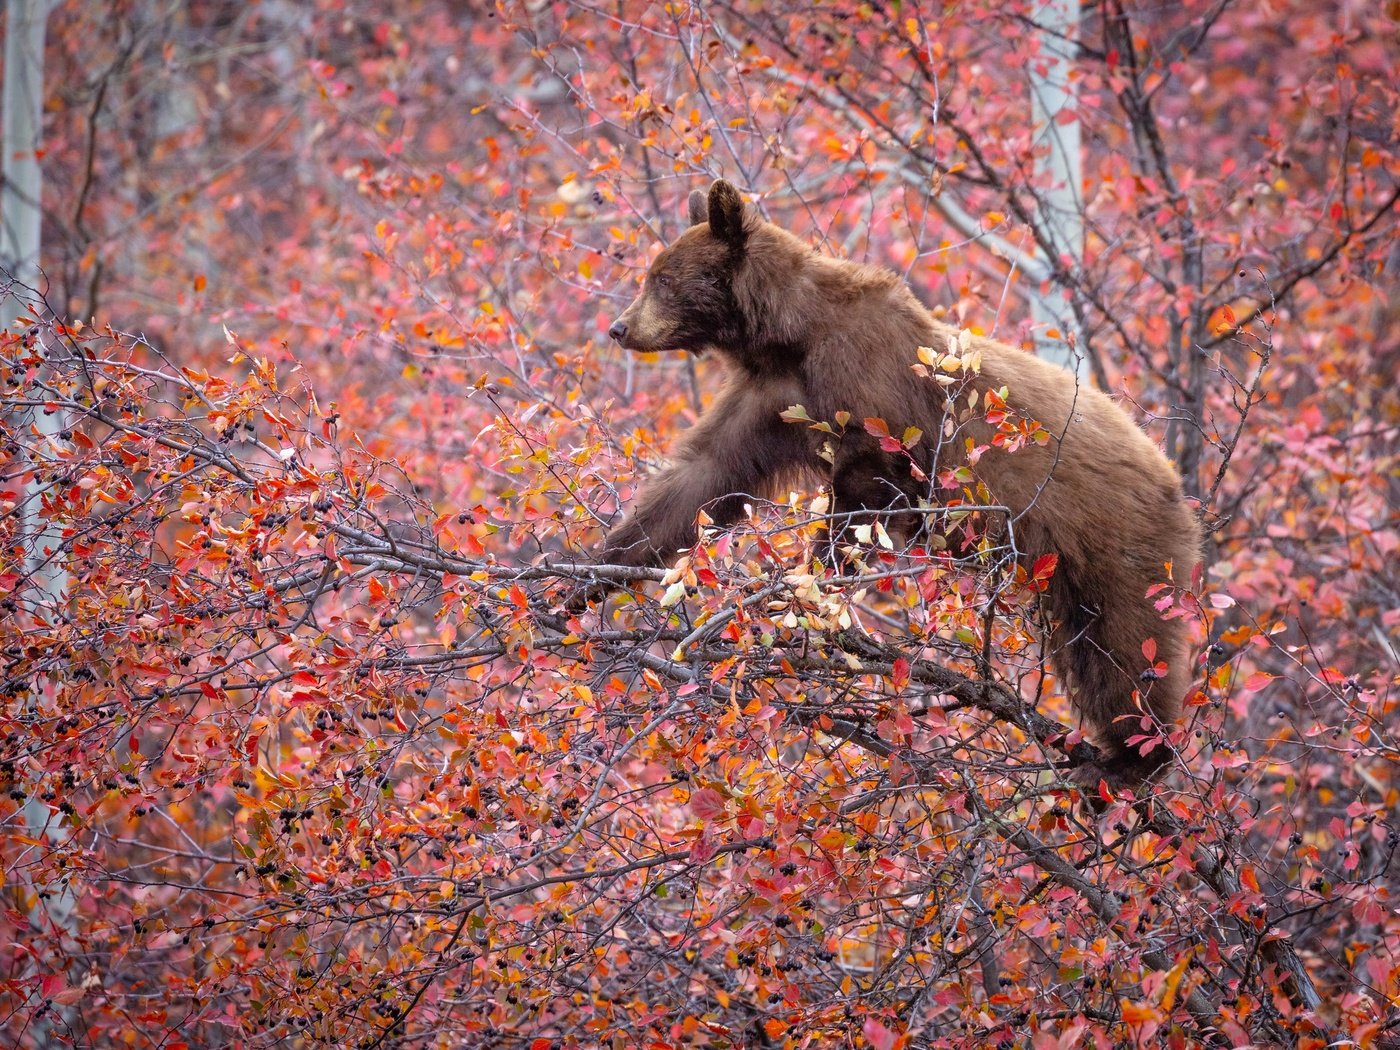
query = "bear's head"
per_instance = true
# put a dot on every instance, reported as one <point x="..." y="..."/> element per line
<point x="687" y="301"/>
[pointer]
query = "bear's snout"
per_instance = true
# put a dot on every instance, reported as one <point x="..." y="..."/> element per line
<point x="618" y="331"/>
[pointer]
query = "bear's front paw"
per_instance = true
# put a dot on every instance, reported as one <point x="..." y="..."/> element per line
<point x="581" y="596"/>
<point x="1102" y="783"/>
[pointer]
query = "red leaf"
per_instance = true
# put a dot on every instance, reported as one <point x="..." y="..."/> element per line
<point x="703" y="851"/>
<point x="707" y="803"/>
<point x="1042" y="570"/>
<point x="899" y="673"/>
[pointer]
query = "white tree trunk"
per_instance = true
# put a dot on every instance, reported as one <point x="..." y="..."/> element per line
<point x="1059" y="175"/>
<point x="20" y="196"/>
<point x="20" y="126"/>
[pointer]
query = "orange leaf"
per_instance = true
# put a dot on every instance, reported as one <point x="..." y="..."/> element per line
<point x="1139" y="1013"/>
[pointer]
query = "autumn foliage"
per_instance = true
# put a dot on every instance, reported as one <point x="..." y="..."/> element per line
<point x="313" y="420"/>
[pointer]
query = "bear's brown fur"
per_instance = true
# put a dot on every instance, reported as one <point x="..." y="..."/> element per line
<point x="801" y="328"/>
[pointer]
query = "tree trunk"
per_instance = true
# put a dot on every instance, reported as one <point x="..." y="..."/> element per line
<point x="21" y="294"/>
<point x="1058" y="179"/>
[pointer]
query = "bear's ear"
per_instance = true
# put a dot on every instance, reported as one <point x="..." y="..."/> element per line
<point x="699" y="211"/>
<point x="726" y="213"/>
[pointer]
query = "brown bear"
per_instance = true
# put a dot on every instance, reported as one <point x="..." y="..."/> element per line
<point x="799" y="328"/>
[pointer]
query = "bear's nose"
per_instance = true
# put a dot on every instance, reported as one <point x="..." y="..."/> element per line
<point x="618" y="331"/>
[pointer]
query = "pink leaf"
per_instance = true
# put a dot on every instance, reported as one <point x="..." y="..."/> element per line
<point x="877" y="1035"/>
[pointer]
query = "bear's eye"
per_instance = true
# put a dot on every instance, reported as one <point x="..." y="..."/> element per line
<point x="663" y="282"/>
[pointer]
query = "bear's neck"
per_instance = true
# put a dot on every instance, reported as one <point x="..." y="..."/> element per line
<point x="792" y="300"/>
